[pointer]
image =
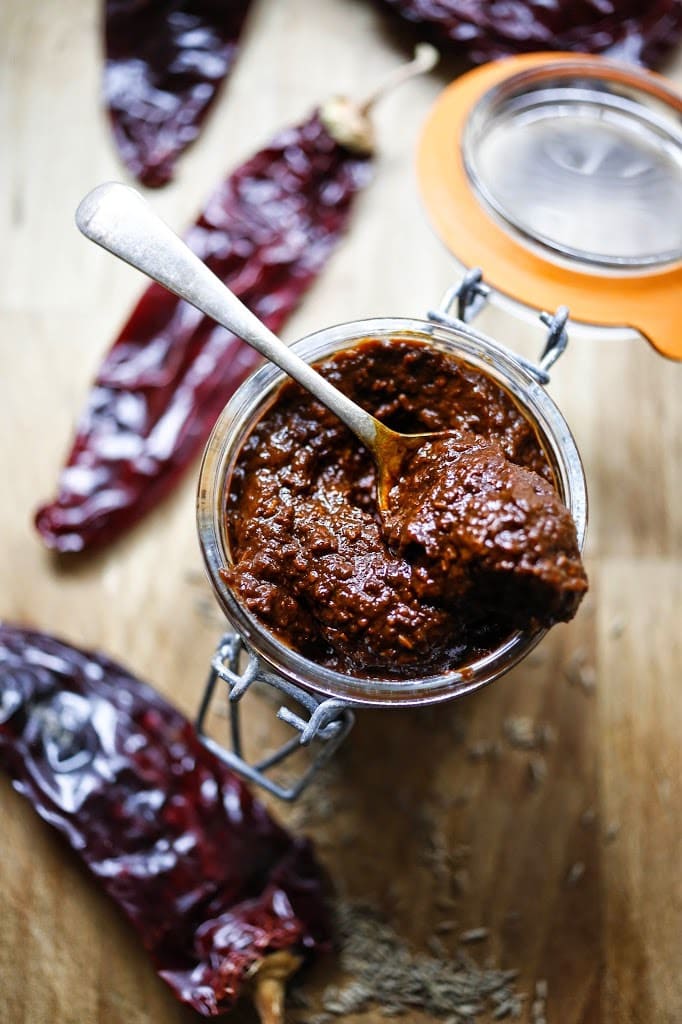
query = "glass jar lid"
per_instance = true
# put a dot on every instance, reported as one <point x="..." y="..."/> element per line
<point x="561" y="176"/>
<point x="589" y="172"/>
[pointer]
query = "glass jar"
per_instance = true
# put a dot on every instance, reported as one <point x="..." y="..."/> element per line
<point x="269" y="654"/>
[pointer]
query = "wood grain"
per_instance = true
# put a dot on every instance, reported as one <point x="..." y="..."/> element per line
<point x="609" y="942"/>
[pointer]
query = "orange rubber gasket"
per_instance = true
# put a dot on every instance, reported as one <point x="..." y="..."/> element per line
<point x="649" y="303"/>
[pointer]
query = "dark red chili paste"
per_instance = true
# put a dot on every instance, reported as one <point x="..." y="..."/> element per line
<point x="475" y="542"/>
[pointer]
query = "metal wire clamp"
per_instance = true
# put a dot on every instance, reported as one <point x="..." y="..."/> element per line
<point x="470" y="296"/>
<point x="328" y="722"/>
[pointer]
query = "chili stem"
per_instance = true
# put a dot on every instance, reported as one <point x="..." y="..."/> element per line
<point x="269" y="981"/>
<point x="269" y="1000"/>
<point x="425" y="59"/>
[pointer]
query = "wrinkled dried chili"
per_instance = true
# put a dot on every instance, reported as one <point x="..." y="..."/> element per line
<point x="165" y="61"/>
<point x="213" y="886"/>
<point x="266" y="232"/>
<point x="633" y="30"/>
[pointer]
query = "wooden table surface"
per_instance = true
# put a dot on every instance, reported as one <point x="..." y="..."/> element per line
<point x="577" y="877"/>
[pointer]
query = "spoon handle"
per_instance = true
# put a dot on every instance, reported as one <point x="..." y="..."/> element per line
<point x="121" y="221"/>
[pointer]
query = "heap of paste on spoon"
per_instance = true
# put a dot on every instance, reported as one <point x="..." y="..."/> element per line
<point x="492" y="531"/>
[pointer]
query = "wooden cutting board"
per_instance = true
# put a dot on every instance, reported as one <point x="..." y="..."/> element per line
<point x="568" y="853"/>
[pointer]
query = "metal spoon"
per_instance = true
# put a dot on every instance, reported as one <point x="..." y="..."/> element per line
<point x="121" y="221"/>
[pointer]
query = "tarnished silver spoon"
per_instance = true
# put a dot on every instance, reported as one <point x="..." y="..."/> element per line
<point x="121" y="221"/>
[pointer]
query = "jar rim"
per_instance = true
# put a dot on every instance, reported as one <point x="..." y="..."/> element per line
<point x="246" y="407"/>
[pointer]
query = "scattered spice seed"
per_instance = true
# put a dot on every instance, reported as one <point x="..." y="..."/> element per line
<point x="437" y="947"/>
<point x="546" y="734"/>
<point x="469" y="1010"/>
<point x="541" y="989"/>
<point x="612" y="832"/>
<point x="509" y="1008"/>
<point x="579" y="673"/>
<point x="574" y="663"/>
<point x="474" y="935"/>
<point x="537" y="771"/>
<point x="346" y="1000"/>
<point x="499" y="997"/>
<point x="575" y="873"/>
<point x="436" y="857"/>
<point x="588" y="817"/>
<point x="588" y="678"/>
<point x="484" y="750"/>
<point x="443" y="927"/>
<point x="538" y="1008"/>
<point x="524" y="734"/>
<point x="385" y="972"/>
<point x="520" y="731"/>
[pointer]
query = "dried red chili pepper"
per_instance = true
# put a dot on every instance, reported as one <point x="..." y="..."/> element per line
<point x="165" y="61"/>
<point x="634" y="30"/>
<point x="215" y="888"/>
<point x="267" y="232"/>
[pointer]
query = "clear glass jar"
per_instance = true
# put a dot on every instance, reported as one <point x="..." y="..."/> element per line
<point x="249" y="403"/>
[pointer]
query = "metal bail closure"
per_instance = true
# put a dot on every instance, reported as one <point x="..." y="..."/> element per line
<point x="471" y="294"/>
<point x="561" y="175"/>
<point x="327" y="724"/>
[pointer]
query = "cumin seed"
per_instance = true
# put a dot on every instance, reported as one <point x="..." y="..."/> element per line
<point x="474" y="935"/>
<point x="575" y="873"/>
